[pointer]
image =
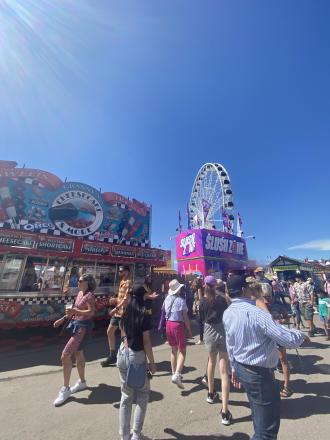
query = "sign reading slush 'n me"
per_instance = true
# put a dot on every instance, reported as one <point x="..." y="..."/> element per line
<point x="200" y="243"/>
<point x="215" y="244"/>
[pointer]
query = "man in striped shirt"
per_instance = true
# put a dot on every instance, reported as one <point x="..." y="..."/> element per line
<point x="252" y="338"/>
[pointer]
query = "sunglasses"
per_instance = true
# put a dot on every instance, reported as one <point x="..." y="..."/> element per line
<point x="267" y="297"/>
<point x="81" y="281"/>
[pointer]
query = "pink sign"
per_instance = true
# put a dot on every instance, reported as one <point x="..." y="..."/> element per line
<point x="206" y="250"/>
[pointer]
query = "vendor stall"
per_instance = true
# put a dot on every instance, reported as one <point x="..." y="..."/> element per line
<point x="289" y="268"/>
<point x="208" y="251"/>
<point x="52" y="232"/>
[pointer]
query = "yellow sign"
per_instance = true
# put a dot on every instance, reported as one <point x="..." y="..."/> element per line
<point x="282" y="268"/>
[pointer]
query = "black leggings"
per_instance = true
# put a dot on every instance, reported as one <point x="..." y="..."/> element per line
<point x="201" y="330"/>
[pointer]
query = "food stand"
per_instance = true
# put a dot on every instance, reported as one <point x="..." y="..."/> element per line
<point x="289" y="268"/>
<point x="52" y="232"/>
<point x="208" y="251"/>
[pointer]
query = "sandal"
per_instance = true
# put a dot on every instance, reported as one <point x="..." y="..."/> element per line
<point x="285" y="392"/>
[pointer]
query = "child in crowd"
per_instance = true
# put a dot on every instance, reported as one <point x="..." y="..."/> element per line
<point x="324" y="312"/>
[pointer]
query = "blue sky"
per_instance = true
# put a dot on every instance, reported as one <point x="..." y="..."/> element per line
<point x="134" y="97"/>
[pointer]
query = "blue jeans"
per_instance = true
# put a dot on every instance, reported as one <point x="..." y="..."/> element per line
<point x="128" y="394"/>
<point x="264" y="396"/>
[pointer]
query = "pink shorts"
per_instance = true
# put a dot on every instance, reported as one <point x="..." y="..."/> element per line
<point x="175" y="333"/>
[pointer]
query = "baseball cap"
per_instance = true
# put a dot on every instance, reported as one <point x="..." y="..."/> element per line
<point x="259" y="269"/>
<point x="124" y="267"/>
<point x="235" y="284"/>
<point x="210" y="280"/>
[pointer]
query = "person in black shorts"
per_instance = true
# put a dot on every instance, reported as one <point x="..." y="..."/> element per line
<point x="279" y="314"/>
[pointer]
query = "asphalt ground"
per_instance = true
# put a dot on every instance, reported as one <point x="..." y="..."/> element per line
<point x="30" y="381"/>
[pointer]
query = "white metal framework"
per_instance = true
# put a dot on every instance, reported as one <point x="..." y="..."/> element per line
<point x="211" y="197"/>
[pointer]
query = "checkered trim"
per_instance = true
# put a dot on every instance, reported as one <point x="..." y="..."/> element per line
<point x="46" y="300"/>
<point x="9" y="224"/>
<point x="28" y="180"/>
<point x="121" y="205"/>
<point x="117" y="240"/>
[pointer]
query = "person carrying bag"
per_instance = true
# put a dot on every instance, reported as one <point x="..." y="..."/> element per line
<point x="135" y="358"/>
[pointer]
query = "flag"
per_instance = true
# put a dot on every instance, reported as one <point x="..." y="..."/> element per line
<point x="180" y="224"/>
<point x="239" y="226"/>
<point x="188" y="217"/>
<point x="206" y="208"/>
<point x="226" y="221"/>
<point x="229" y="224"/>
<point x="196" y="221"/>
<point x="223" y="214"/>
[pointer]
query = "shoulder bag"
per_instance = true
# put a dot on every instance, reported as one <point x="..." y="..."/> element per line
<point x="136" y="373"/>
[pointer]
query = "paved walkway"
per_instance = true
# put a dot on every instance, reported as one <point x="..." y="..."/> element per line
<point x="30" y="380"/>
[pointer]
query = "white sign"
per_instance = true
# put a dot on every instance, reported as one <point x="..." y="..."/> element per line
<point x="82" y="213"/>
<point x="221" y="244"/>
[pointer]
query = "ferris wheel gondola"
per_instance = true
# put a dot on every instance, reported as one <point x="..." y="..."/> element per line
<point x="211" y="202"/>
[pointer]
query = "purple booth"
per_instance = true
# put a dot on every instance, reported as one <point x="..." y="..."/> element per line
<point x="209" y="251"/>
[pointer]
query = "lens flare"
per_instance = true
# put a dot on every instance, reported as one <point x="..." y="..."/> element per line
<point x="43" y="46"/>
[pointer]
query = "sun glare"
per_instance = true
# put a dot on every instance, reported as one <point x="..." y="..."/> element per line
<point x="41" y="45"/>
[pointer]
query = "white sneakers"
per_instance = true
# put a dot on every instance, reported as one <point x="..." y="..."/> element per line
<point x="78" y="386"/>
<point x="140" y="436"/>
<point x="177" y="379"/>
<point x="63" y="395"/>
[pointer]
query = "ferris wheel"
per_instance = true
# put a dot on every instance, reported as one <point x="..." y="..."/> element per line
<point x="211" y="201"/>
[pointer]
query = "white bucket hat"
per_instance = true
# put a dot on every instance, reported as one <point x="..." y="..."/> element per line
<point x="174" y="287"/>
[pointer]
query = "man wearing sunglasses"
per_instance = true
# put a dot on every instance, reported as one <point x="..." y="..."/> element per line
<point x="125" y="289"/>
<point x="260" y="276"/>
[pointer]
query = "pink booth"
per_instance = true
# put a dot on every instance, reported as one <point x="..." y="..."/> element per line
<point x="207" y="251"/>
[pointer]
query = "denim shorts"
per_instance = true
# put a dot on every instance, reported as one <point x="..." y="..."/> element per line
<point x="324" y="320"/>
<point x="115" y="321"/>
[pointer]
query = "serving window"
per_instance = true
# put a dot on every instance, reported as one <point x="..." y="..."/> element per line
<point x="105" y="275"/>
<point x="53" y="275"/>
<point x="140" y="272"/>
<point x="32" y="280"/>
<point x="10" y="272"/>
<point x="74" y="270"/>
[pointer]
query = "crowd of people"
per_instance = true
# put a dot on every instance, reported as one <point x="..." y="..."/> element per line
<point x="244" y="324"/>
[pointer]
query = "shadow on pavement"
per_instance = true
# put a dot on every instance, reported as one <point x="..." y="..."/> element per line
<point x="306" y="406"/>
<point x="104" y="394"/>
<point x="303" y="387"/>
<point x="314" y="344"/>
<point x="178" y="436"/>
<point x="99" y="395"/>
<point x="49" y="355"/>
<point x="308" y="364"/>
<point x="165" y="368"/>
<point x="49" y="351"/>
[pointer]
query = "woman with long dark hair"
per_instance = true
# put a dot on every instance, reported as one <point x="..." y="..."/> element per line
<point x="212" y="307"/>
<point x="80" y="327"/>
<point x="135" y="348"/>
